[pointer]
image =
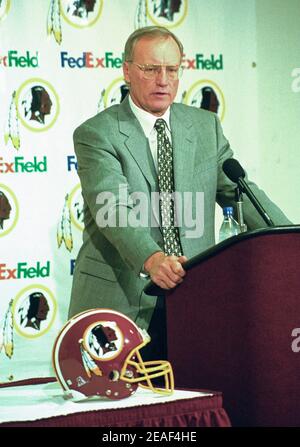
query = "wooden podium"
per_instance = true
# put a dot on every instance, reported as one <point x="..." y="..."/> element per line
<point x="230" y="326"/>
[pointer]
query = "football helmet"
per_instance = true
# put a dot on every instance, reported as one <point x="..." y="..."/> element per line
<point x="97" y="353"/>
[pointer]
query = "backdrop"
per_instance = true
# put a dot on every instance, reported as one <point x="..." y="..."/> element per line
<point x="60" y="63"/>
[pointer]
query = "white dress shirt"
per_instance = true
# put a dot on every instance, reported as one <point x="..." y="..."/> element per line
<point x="147" y="121"/>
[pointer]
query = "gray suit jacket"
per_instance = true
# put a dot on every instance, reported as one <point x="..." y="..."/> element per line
<point x="112" y="150"/>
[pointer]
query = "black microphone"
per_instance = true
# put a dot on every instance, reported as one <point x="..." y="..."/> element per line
<point x="236" y="174"/>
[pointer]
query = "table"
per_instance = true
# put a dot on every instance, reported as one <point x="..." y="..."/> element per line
<point x="40" y="402"/>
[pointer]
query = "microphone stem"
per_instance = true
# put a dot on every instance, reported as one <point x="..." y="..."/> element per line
<point x="239" y="203"/>
<point x="257" y="205"/>
<point x="242" y="224"/>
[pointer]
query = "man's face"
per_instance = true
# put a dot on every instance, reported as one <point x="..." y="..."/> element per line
<point x="153" y="95"/>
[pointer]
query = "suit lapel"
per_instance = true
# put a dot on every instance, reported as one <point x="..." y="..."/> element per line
<point x="137" y="143"/>
<point x="183" y="141"/>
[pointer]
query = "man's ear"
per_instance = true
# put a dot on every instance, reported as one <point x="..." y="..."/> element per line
<point x="126" y="72"/>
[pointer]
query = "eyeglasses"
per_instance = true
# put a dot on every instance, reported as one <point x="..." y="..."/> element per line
<point x="150" y="71"/>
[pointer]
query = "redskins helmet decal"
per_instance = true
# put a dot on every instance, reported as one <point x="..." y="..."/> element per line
<point x="97" y="353"/>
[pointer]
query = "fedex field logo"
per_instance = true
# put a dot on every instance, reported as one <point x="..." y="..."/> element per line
<point x="19" y="165"/>
<point x="89" y="60"/>
<point x="15" y="60"/>
<point x="22" y="270"/>
<point x="202" y="62"/>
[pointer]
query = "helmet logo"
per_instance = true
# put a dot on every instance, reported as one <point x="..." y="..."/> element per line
<point x="103" y="340"/>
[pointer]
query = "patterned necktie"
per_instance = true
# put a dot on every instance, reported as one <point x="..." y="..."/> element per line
<point x="170" y="233"/>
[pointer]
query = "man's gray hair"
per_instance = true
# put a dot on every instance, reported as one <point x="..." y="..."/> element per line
<point x="151" y="32"/>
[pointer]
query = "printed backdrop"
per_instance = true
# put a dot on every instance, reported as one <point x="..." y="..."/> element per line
<point x="60" y="63"/>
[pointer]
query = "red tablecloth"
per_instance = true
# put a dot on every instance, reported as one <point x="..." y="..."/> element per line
<point x="204" y="411"/>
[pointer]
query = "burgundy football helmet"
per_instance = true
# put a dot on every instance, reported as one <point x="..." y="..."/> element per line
<point x="97" y="353"/>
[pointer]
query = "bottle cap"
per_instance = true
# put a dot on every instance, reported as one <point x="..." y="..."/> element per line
<point x="228" y="211"/>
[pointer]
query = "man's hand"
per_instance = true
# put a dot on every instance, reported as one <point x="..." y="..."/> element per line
<point x="165" y="271"/>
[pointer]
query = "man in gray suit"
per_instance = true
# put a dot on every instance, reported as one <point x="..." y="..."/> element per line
<point x="118" y="157"/>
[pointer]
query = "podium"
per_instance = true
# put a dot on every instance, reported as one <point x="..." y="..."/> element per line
<point x="231" y="322"/>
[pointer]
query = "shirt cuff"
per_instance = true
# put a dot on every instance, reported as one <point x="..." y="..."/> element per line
<point x="143" y="274"/>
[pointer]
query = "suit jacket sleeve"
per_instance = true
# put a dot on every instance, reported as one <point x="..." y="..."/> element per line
<point x="226" y="191"/>
<point x="100" y="171"/>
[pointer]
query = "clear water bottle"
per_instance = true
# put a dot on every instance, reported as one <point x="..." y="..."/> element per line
<point x="229" y="226"/>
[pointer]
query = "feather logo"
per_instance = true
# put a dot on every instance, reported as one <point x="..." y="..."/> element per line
<point x="64" y="228"/>
<point x="54" y="21"/>
<point x="88" y="363"/>
<point x="141" y="15"/>
<point x="4" y="8"/>
<point x="12" y="126"/>
<point x="7" y="333"/>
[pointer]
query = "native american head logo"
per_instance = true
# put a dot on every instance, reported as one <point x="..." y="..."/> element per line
<point x="207" y="95"/>
<point x="167" y="13"/>
<point x="165" y="8"/>
<point x="115" y="93"/>
<point x="5" y="209"/>
<point x="35" y="104"/>
<point x="9" y="210"/>
<point x="101" y="341"/>
<point x="29" y="315"/>
<point x="80" y="8"/>
<point x="77" y="13"/>
<point x="209" y="100"/>
<point x="33" y="310"/>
